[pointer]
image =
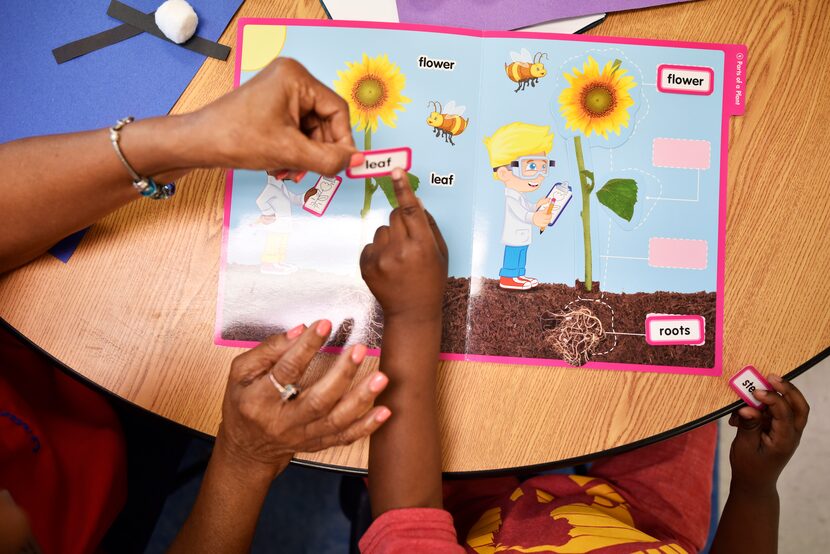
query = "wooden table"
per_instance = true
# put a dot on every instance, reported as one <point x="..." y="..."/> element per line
<point x="136" y="317"/>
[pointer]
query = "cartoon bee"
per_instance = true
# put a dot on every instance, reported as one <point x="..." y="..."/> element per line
<point x="524" y="69"/>
<point x="447" y="122"/>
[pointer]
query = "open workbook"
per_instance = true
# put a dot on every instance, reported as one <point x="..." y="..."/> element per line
<point x="579" y="183"/>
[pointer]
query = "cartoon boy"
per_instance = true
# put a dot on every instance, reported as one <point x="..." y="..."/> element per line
<point x="519" y="158"/>
<point x="274" y="204"/>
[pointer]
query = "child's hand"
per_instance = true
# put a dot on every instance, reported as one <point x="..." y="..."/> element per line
<point x="766" y="440"/>
<point x="405" y="266"/>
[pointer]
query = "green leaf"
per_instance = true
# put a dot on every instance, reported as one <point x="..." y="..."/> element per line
<point x="388" y="187"/>
<point x="619" y="195"/>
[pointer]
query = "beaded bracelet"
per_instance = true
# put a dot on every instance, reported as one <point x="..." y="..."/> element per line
<point x="146" y="186"/>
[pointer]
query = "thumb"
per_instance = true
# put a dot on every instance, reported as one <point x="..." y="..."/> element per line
<point x="325" y="158"/>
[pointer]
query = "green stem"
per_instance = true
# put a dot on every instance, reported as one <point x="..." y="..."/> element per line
<point x="369" y="187"/>
<point x="586" y="213"/>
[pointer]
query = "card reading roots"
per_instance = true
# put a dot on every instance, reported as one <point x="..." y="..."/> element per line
<point x="382" y="162"/>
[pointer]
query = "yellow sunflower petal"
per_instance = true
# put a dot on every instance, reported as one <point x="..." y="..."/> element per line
<point x="591" y="82"/>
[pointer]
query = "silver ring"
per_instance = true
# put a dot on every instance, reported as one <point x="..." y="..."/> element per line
<point x="287" y="392"/>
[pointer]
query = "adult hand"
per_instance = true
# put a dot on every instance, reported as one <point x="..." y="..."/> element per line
<point x="260" y="431"/>
<point x="282" y="119"/>
<point x="766" y="440"/>
<point x="405" y="266"/>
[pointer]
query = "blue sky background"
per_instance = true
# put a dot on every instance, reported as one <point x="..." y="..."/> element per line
<point x="480" y="83"/>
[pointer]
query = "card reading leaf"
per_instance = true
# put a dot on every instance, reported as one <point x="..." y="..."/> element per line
<point x="381" y="162"/>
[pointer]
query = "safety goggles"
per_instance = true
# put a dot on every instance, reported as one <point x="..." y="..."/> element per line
<point x="530" y="167"/>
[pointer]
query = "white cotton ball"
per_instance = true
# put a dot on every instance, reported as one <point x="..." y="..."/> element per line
<point x="177" y="20"/>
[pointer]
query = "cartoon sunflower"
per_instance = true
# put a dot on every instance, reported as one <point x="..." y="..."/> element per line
<point x="597" y="101"/>
<point x="373" y="90"/>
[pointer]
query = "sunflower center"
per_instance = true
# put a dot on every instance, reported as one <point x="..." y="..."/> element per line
<point x="598" y="100"/>
<point x="369" y="92"/>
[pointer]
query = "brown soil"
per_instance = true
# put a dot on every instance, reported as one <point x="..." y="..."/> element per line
<point x="519" y="323"/>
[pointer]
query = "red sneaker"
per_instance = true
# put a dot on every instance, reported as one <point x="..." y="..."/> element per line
<point x="514" y="283"/>
<point x="533" y="282"/>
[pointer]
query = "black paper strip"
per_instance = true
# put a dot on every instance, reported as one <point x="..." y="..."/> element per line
<point x="147" y="22"/>
<point x="95" y="42"/>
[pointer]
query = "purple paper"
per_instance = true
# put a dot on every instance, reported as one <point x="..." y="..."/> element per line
<point x="497" y="15"/>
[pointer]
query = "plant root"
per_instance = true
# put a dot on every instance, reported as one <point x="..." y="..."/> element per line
<point x="576" y="335"/>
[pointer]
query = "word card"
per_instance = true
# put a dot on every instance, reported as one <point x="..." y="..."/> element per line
<point x="381" y="162"/>
<point x="745" y="383"/>
<point x="324" y="191"/>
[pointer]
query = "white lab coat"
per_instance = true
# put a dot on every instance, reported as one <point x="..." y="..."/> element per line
<point x="276" y="199"/>
<point x="518" y="219"/>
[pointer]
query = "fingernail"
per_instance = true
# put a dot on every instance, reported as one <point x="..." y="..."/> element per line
<point x="323" y="327"/>
<point x="759" y="392"/>
<point x="296" y="331"/>
<point x="397" y="174"/>
<point x="357" y="159"/>
<point x="378" y="382"/>
<point x="774" y="377"/>
<point x="358" y="353"/>
<point x="299" y="176"/>
<point x="281" y="175"/>
<point x="382" y="415"/>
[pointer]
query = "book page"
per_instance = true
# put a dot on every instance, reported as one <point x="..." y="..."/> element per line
<point x="291" y="249"/>
<point x="599" y="227"/>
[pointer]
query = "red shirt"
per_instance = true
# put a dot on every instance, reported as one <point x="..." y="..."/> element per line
<point x="654" y="500"/>
<point x="62" y="453"/>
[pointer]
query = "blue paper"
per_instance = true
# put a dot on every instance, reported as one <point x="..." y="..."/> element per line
<point x="142" y="76"/>
<point x="64" y="249"/>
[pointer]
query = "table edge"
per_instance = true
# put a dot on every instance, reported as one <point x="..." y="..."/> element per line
<point x="472" y="474"/>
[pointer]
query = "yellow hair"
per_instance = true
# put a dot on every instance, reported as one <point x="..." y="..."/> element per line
<point x="515" y="140"/>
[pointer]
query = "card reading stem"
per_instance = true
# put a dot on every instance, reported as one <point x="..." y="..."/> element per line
<point x="745" y="383"/>
<point x="382" y="162"/>
<point x="324" y="190"/>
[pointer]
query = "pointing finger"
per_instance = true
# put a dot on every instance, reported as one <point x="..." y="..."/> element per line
<point x="412" y="213"/>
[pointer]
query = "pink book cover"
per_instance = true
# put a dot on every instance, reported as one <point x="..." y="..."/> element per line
<point x="580" y="184"/>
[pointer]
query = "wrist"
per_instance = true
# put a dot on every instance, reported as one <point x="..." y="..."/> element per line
<point x="243" y="469"/>
<point x="427" y="317"/>
<point x="161" y="145"/>
<point x="753" y="491"/>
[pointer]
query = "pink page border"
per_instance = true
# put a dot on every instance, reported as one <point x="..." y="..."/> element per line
<point x="730" y="51"/>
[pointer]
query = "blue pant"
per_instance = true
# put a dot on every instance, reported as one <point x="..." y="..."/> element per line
<point x="515" y="258"/>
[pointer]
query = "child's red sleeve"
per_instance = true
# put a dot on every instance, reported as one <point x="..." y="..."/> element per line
<point x="411" y="530"/>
